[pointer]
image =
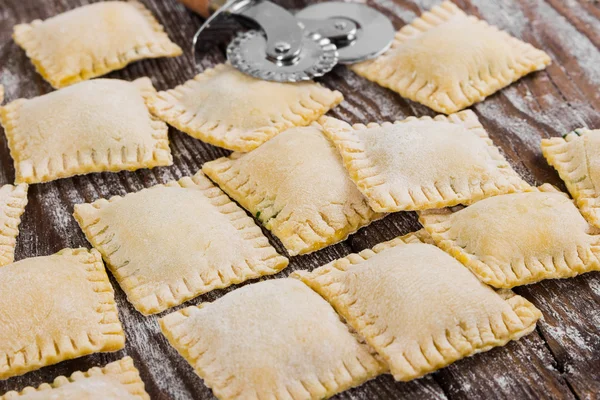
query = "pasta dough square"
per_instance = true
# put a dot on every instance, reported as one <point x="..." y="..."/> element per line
<point x="119" y="380"/>
<point x="296" y="185"/>
<point x="419" y="308"/>
<point x="93" y="40"/>
<point x="13" y="200"/>
<point x="422" y="163"/>
<point x="576" y="157"/>
<point x="227" y="108"/>
<point x="271" y="340"/>
<point x="61" y="307"/>
<point x="448" y="60"/>
<point x="94" y="126"/>
<point x="517" y="239"/>
<point x="170" y="243"/>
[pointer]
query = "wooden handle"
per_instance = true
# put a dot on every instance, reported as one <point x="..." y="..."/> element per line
<point x="199" y="6"/>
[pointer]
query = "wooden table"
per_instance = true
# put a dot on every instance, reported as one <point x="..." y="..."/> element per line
<point x="560" y="359"/>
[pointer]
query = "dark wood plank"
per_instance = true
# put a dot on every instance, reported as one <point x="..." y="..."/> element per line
<point x="559" y="360"/>
<point x="572" y="336"/>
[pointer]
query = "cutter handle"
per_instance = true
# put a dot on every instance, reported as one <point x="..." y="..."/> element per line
<point x="202" y="7"/>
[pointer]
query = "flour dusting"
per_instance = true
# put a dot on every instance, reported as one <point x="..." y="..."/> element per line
<point x="594" y="284"/>
<point x="519" y="127"/>
<point x="11" y="84"/>
<point x="504" y="381"/>
<point x="506" y="15"/>
<point x="53" y="208"/>
<point x="583" y="15"/>
<point x="574" y="43"/>
<point x="572" y="334"/>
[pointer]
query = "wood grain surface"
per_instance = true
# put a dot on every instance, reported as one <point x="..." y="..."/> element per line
<point x="559" y="360"/>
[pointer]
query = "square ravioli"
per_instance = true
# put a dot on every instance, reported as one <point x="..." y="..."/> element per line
<point x="93" y="40"/>
<point x="170" y="243"/>
<point x="296" y="185"/>
<point x="13" y="200"/>
<point x="227" y="108"/>
<point x="422" y="163"/>
<point x="419" y="308"/>
<point x="61" y="307"/>
<point x="576" y="157"/>
<point x="119" y="380"/>
<point x="94" y="126"/>
<point x="519" y="238"/>
<point x="448" y="60"/>
<point x="276" y="339"/>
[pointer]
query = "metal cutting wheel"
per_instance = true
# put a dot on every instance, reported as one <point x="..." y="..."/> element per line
<point x="286" y="47"/>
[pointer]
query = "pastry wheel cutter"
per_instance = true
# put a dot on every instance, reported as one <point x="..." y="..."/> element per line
<point x="289" y="47"/>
